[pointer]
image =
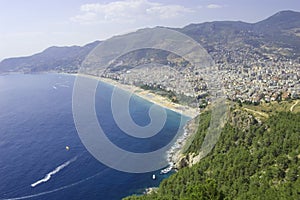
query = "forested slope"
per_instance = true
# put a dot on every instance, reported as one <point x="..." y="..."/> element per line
<point x="253" y="159"/>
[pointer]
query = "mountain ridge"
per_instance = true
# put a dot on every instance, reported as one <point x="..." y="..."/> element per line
<point x="53" y="58"/>
<point x="280" y="31"/>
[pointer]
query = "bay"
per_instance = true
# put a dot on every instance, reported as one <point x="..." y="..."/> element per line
<point x="36" y="125"/>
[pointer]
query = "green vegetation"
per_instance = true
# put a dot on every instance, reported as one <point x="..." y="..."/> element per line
<point x="198" y="138"/>
<point x="251" y="160"/>
<point x="272" y="107"/>
<point x="159" y="90"/>
<point x="175" y="98"/>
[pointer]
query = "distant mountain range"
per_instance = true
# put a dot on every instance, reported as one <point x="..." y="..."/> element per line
<point x="54" y="58"/>
<point x="280" y="32"/>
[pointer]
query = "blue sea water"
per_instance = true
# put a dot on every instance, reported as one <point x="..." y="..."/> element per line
<point x="36" y="125"/>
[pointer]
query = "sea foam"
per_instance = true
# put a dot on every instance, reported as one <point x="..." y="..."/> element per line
<point x="50" y="174"/>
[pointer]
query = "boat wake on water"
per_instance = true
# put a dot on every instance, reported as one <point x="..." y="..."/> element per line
<point x="50" y="174"/>
<point x="57" y="189"/>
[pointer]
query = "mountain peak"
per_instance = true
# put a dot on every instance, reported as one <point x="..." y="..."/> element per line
<point x="283" y="19"/>
<point x="286" y="13"/>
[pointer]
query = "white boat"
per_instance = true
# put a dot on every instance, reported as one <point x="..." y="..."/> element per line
<point x="153" y="177"/>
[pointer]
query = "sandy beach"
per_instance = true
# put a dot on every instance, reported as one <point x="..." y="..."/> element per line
<point x="148" y="95"/>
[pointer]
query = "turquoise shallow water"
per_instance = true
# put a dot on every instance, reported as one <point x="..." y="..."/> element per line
<point x="36" y="125"/>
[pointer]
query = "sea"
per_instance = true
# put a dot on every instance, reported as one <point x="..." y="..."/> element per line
<point x="41" y="154"/>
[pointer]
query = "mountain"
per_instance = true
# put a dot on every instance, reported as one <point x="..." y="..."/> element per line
<point x="52" y="59"/>
<point x="281" y="30"/>
<point x="283" y="20"/>
<point x="277" y="36"/>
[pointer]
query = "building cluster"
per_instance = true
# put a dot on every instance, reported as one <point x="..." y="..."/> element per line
<point x="243" y="75"/>
<point x="163" y="77"/>
<point x="252" y="77"/>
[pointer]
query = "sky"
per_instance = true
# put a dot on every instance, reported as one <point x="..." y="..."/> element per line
<point x="30" y="26"/>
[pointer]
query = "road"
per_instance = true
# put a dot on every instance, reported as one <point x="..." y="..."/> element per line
<point x="257" y="112"/>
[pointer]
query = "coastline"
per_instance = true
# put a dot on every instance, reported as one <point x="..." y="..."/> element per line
<point x="149" y="96"/>
<point x="175" y="154"/>
<point x="145" y="94"/>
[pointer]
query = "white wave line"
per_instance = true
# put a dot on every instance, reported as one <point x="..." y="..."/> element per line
<point x="50" y="174"/>
<point x="55" y="190"/>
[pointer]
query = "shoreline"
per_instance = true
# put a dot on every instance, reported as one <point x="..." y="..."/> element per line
<point x="145" y="94"/>
<point x="149" y="96"/>
<point x="174" y="154"/>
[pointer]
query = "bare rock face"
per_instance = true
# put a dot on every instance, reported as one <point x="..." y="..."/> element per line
<point x="187" y="160"/>
<point x="151" y="190"/>
<point x="183" y="162"/>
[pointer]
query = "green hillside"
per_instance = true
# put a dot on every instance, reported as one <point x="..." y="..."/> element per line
<point x="253" y="159"/>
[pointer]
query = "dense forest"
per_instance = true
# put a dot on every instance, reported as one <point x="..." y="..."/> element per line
<point x="253" y="159"/>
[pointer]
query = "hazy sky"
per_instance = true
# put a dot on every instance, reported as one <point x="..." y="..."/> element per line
<point x="30" y="26"/>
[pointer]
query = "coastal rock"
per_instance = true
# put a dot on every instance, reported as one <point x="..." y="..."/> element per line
<point x="150" y="190"/>
<point x="188" y="160"/>
<point x="176" y="155"/>
<point x="183" y="162"/>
